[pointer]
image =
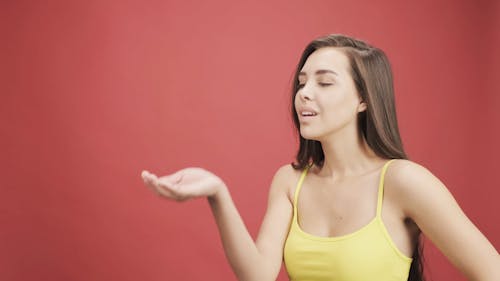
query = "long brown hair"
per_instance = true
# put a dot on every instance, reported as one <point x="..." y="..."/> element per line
<point x="372" y="75"/>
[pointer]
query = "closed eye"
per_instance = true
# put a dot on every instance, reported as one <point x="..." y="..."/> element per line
<point x="325" y="84"/>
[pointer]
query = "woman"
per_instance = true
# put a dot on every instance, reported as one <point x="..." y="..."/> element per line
<point x="351" y="207"/>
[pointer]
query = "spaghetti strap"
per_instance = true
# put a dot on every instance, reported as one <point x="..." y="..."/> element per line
<point x="297" y="190"/>
<point x="381" y="187"/>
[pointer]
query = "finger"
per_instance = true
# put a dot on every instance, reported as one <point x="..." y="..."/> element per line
<point x="163" y="188"/>
<point x="147" y="178"/>
<point x="171" y="187"/>
<point x="172" y="179"/>
<point x="151" y="186"/>
<point x="166" y="192"/>
<point x="148" y="175"/>
<point x="145" y="175"/>
<point x="150" y="180"/>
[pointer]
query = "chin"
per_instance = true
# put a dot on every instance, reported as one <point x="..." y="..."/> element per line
<point x="310" y="136"/>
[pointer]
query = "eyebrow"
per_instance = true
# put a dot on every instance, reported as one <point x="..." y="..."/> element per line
<point x="320" y="71"/>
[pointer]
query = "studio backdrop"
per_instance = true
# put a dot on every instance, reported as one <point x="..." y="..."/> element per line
<point x="93" y="92"/>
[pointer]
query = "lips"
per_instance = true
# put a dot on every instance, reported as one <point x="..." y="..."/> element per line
<point x="307" y="112"/>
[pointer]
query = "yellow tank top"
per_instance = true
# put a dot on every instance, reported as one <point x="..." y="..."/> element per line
<point x="365" y="255"/>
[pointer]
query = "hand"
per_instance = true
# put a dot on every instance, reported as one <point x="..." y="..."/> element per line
<point x="184" y="184"/>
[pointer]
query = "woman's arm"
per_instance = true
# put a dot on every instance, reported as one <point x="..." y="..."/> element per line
<point x="260" y="260"/>
<point x="427" y="201"/>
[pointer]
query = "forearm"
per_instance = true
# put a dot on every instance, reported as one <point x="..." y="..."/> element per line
<point x="241" y="251"/>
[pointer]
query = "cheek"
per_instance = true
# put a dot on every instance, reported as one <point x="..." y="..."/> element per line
<point x="339" y="110"/>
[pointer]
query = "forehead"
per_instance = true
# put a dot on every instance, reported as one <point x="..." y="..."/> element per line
<point x="326" y="58"/>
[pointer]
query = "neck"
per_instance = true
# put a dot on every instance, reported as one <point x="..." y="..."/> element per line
<point x="347" y="154"/>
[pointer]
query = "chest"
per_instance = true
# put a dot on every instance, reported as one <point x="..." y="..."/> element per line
<point x="337" y="208"/>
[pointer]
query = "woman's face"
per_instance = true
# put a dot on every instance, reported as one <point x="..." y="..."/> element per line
<point x="327" y="101"/>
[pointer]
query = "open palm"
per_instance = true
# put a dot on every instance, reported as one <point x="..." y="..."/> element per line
<point x="184" y="184"/>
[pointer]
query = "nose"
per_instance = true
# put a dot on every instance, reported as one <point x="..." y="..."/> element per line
<point x="305" y="93"/>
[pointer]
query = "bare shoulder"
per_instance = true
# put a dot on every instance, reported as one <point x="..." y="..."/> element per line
<point x="411" y="183"/>
<point x="284" y="179"/>
<point x="286" y="175"/>
<point x="425" y="200"/>
<point x="407" y="174"/>
<point x="404" y="172"/>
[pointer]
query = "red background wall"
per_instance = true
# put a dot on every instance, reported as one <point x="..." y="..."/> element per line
<point x="92" y="92"/>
